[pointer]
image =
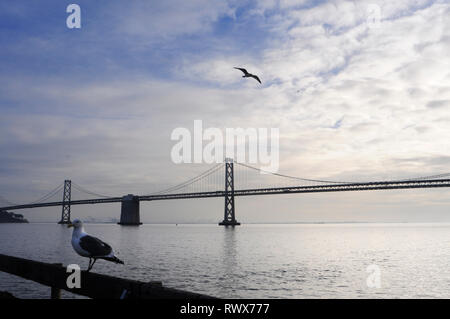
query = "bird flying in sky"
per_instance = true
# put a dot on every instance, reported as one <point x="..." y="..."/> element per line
<point x="248" y="75"/>
<point x="89" y="246"/>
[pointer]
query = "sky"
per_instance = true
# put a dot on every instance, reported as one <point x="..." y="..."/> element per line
<point x="359" y="90"/>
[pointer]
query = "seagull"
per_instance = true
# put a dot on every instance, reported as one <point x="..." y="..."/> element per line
<point x="248" y="75"/>
<point x="89" y="246"/>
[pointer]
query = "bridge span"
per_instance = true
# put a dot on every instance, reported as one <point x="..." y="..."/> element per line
<point x="130" y="212"/>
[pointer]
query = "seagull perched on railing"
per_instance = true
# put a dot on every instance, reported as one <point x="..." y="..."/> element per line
<point x="89" y="246"/>
<point x="248" y="75"/>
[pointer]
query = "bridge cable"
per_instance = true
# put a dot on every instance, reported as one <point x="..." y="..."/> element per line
<point x="292" y="177"/>
<point x="86" y="191"/>
<point x="190" y="181"/>
<point x="439" y="176"/>
<point x="48" y="195"/>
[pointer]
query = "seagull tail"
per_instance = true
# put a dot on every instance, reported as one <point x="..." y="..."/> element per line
<point x="115" y="260"/>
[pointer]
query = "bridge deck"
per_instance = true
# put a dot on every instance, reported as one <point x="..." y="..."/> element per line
<point x="386" y="185"/>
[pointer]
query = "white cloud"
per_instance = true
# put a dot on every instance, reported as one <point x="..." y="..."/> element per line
<point x="162" y="19"/>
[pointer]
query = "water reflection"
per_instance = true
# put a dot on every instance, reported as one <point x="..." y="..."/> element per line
<point x="230" y="250"/>
<point x="230" y="269"/>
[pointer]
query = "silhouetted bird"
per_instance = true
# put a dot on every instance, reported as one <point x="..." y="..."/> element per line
<point x="89" y="246"/>
<point x="249" y="75"/>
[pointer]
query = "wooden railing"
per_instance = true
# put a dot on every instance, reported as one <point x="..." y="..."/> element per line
<point x="92" y="285"/>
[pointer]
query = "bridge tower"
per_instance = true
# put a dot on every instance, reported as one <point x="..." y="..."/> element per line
<point x="229" y="217"/>
<point x="65" y="215"/>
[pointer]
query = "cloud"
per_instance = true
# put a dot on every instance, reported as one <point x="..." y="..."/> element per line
<point x="438" y="103"/>
<point x="151" y="20"/>
<point x="219" y="71"/>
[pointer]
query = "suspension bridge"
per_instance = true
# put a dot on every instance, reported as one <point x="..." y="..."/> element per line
<point x="221" y="180"/>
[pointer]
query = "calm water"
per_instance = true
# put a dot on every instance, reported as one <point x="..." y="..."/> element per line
<point x="253" y="261"/>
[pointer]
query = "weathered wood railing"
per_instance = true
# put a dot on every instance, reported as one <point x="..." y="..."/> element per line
<point x="92" y="285"/>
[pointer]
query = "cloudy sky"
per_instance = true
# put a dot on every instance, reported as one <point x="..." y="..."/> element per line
<point x="360" y="90"/>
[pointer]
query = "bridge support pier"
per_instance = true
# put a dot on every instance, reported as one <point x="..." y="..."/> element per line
<point x="229" y="218"/>
<point x="130" y="215"/>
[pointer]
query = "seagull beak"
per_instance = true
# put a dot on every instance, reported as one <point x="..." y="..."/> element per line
<point x="69" y="225"/>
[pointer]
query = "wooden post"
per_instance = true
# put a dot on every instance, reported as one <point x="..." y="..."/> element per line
<point x="56" y="292"/>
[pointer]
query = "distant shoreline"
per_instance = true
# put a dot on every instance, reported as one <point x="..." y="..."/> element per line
<point x="8" y="218"/>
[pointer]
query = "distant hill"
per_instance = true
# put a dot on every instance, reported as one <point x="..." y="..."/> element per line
<point x="7" y="217"/>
